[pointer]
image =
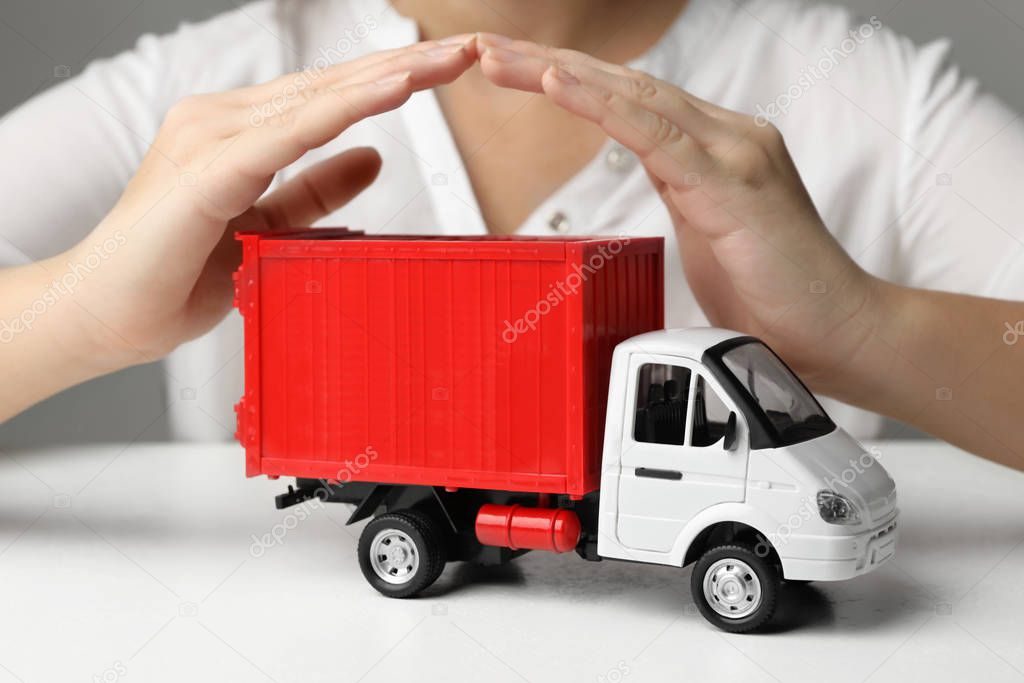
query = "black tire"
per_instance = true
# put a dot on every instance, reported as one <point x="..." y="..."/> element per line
<point x="753" y="582"/>
<point x="418" y="560"/>
<point x="441" y="535"/>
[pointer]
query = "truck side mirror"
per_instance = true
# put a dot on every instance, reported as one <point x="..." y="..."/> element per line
<point x="731" y="436"/>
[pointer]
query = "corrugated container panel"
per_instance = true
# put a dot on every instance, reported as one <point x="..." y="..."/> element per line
<point x="399" y="349"/>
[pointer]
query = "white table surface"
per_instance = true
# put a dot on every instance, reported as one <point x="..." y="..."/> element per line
<point x="133" y="563"/>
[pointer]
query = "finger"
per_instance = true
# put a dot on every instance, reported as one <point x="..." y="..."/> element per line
<point x="659" y="97"/>
<point x="256" y="154"/>
<point x="316" y="192"/>
<point x="325" y="117"/>
<point x="339" y="71"/>
<point x="425" y="65"/>
<point x="511" y="69"/>
<point x="319" y="190"/>
<point x="491" y="47"/>
<point x="665" y="148"/>
<point x="427" y="68"/>
<point x="240" y="168"/>
<point x="526" y="72"/>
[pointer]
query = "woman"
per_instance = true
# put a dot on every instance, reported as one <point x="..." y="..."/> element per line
<point x="892" y="177"/>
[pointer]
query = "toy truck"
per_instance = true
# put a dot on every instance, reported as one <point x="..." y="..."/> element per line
<point x="481" y="397"/>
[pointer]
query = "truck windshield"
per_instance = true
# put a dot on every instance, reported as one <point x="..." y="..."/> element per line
<point x="789" y="407"/>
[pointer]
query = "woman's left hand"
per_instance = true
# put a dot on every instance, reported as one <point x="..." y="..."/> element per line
<point x="756" y="253"/>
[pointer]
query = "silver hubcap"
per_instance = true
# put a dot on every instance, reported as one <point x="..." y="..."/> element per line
<point x="732" y="589"/>
<point x="393" y="556"/>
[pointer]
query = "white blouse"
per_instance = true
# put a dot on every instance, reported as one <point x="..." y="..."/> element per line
<point x="915" y="170"/>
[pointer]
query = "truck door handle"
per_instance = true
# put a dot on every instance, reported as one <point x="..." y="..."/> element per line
<point x="652" y="473"/>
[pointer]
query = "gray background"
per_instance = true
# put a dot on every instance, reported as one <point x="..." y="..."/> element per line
<point x="38" y="36"/>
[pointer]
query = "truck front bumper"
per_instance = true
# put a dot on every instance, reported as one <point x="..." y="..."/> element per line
<point x="836" y="558"/>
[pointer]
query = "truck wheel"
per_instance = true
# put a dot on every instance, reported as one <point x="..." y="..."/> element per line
<point x="401" y="553"/>
<point x="734" y="588"/>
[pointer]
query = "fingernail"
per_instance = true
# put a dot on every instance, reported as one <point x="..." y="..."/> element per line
<point x="394" y="78"/>
<point x="502" y="55"/>
<point x="461" y="39"/>
<point x="443" y="51"/>
<point x="494" y="39"/>
<point x="564" y="76"/>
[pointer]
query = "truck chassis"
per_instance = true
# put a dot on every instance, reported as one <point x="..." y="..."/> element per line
<point x="417" y="530"/>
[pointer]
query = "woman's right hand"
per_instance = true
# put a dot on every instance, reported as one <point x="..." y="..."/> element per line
<point x="167" y="246"/>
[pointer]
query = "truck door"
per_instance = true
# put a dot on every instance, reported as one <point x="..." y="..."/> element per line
<point x="674" y="462"/>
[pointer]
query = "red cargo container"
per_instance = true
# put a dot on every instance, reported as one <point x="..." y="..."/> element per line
<point x="462" y="362"/>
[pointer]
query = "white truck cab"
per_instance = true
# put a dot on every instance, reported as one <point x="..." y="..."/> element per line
<point x="716" y="453"/>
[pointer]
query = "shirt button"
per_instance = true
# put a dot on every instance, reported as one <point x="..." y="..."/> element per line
<point x="619" y="159"/>
<point x="559" y="222"/>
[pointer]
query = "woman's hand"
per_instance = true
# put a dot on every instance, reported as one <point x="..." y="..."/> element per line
<point x="756" y="253"/>
<point x="211" y="161"/>
<point x="760" y="260"/>
<point x="156" y="271"/>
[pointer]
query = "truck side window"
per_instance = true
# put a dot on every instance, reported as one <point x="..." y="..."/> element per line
<point x="661" y="404"/>
<point x="709" y="415"/>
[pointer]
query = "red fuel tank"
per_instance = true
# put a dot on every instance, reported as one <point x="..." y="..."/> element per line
<point x="516" y="527"/>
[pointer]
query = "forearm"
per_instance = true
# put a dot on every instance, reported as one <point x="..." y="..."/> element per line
<point x="44" y="347"/>
<point x="944" y="363"/>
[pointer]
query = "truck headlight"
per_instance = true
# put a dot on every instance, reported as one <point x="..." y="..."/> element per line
<point x="837" y="509"/>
